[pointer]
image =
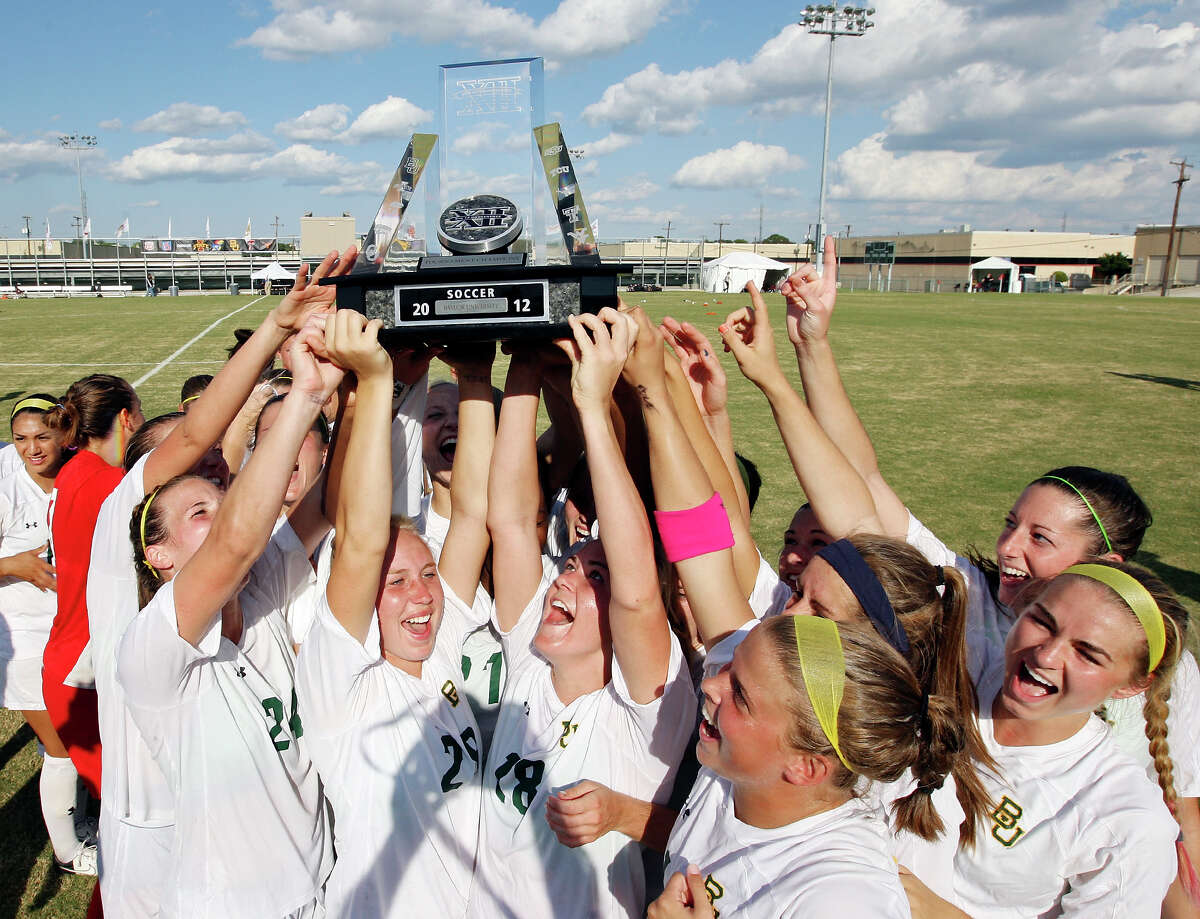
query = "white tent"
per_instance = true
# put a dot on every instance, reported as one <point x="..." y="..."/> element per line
<point x="273" y="271"/>
<point x="997" y="266"/>
<point x="729" y="273"/>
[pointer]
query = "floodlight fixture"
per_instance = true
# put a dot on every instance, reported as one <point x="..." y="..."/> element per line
<point x="850" y="22"/>
<point x="79" y="142"/>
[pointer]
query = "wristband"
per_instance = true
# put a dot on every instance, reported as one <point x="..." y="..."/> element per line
<point x="694" y="531"/>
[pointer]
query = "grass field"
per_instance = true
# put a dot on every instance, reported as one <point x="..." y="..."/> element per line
<point x="967" y="398"/>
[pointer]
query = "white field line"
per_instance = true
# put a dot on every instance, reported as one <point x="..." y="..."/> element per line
<point x="167" y="360"/>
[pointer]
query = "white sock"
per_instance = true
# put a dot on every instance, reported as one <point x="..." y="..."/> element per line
<point x="57" y="787"/>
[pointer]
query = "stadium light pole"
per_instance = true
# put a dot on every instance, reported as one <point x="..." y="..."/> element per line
<point x="851" y="22"/>
<point x="79" y="142"/>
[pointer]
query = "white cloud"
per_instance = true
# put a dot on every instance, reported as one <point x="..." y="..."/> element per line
<point x="610" y="143"/>
<point x="240" y="157"/>
<point x="637" y="188"/>
<point x="488" y="136"/>
<point x="869" y="171"/>
<point x="20" y="159"/>
<point x="321" y="123"/>
<point x="189" y="120"/>
<point x="153" y="202"/>
<point x="394" y="117"/>
<point x="574" y="29"/>
<point x="743" y="165"/>
<point x="112" y="124"/>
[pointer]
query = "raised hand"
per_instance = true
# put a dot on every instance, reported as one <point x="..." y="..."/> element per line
<point x="307" y="296"/>
<point x="700" y="364"/>
<point x="471" y="362"/>
<point x="598" y="350"/>
<point x="352" y="343"/>
<point x="644" y="366"/>
<point x="747" y="333"/>
<point x="314" y="375"/>
<point x="810" y="298"/>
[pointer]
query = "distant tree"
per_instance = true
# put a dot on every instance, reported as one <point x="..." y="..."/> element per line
<point x="1060" y="276"/>
<point x="1113" y="265"/>
<point x="741" y="240"/>
<point x="777" y="238"/>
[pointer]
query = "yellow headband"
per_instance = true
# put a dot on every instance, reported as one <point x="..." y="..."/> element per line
<point x="191" y="398"/>
<point x="42" y="405"/>
<point x="1137" y="598"/>
<point x="142" y="529"/>
<point x="823" y="664"/>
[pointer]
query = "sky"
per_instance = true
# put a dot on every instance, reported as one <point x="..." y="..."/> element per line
<point x="1005" y="114"/>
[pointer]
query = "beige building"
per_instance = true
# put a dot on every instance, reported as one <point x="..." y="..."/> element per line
<point x="318" y="235"/>
<point x="1150" y="251"/>
<point x="940" y="261"/>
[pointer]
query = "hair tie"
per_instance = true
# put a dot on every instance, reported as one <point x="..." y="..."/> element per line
<point x="823" y="666"/>
<point x="33" y="402"/>
<point x="1137" y="598"/>
<point x="142" y="529"/>
<point x="1086" y="503"/>
<point x="848" y="562"/>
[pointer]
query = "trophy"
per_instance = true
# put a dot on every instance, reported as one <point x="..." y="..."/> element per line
<point x="499" y="272"/>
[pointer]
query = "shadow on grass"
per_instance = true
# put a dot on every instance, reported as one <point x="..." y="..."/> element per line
<point x="1193" y="385"/>
<point x="1184" y="582"/>
<point x="15" y="744"/>
<point x="24" y="839"/>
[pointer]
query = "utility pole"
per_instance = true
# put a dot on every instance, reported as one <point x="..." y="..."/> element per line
<point x="277" y="232"/>
<point x="666" y="254"/>
<point x="28" y="238"/>
<point x="760" y="215"/>
<point x="720" y="234"/>
<point x="1178" y="183"/>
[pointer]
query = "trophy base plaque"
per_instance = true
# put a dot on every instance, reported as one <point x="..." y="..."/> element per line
<point x="491" y="297"/>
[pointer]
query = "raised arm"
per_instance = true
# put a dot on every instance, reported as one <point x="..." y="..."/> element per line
<point x="467" y="540"/>
<point x="243" y="523"/>
<point x="363" y="513"/>
<point x="641" y="636"/>
<point x="810" y="300"/>
<point x="513" y="497"/>
<point x="725" y="481"/>
<point x="680" y="483"/>
<point x="210" y="417"/>
<point x="839" y="496"/>
<point x="701" y="367"/>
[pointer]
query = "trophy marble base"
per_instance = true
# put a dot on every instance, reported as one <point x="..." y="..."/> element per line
<point x="460" y="302"/>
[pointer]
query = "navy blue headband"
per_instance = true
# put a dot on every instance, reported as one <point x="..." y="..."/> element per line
<point x="850" y="566"/>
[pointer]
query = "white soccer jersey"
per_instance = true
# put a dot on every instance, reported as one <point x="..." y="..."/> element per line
<point x="542" y="746"/>
<point x="137" y="805"/>
<point x="400" y="759"/>
<point x="769" y="596"/>
<point x="223" y="723"/>
<point x="1077" y="830"/>
<point x="26" y="612"/>
<point x="834" y="864"/>
<point x="407" y="469"/>
<point x="932" y="861"/>
<point x="988" y="623"/>
<point x="1183" y="728"/>
<point x="10" y="460"/>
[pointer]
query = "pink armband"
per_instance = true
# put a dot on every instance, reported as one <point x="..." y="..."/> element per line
<point x="694" y="531"/>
